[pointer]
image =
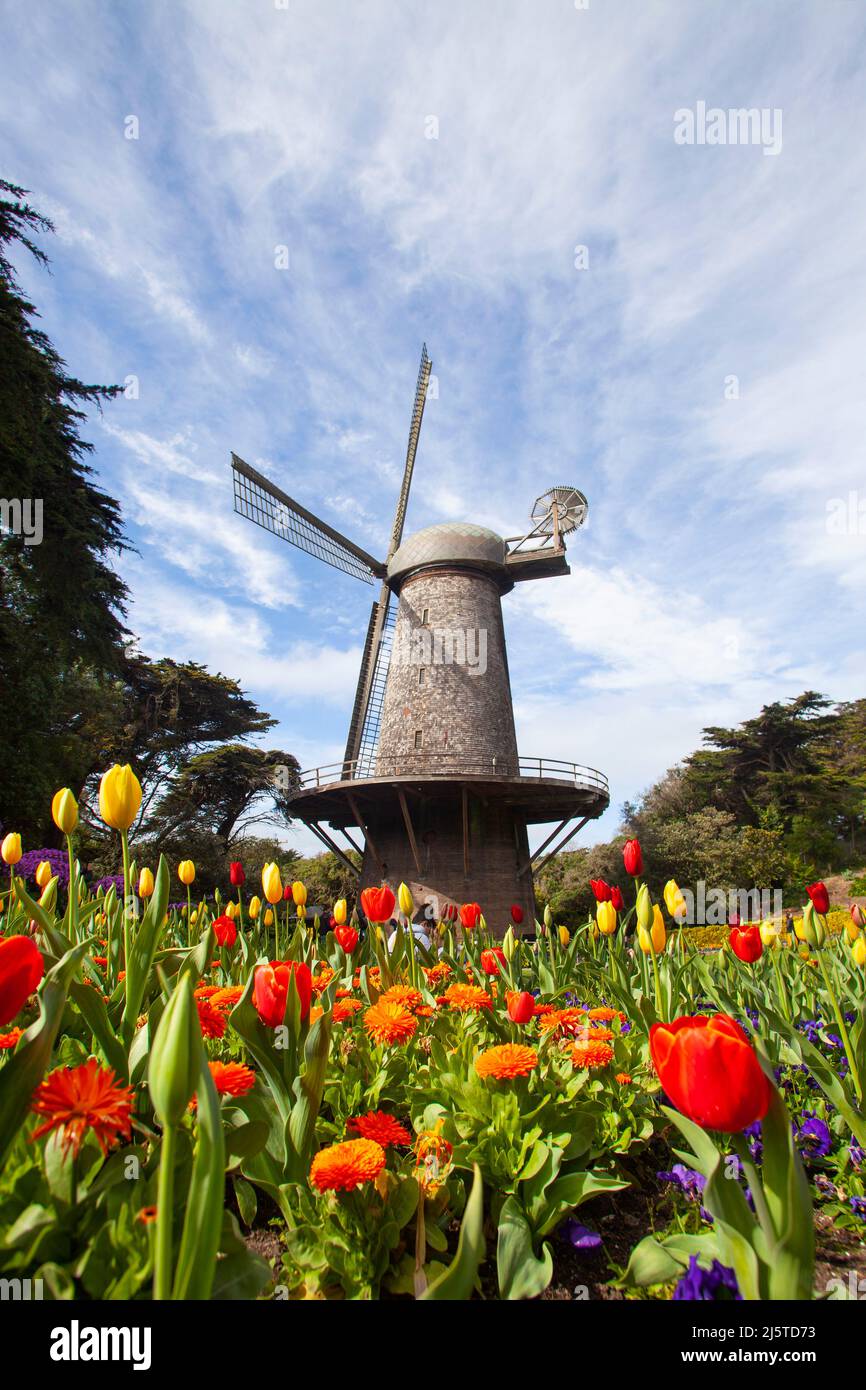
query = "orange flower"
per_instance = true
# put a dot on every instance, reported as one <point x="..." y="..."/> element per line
<point x="623" y="1078"/>
<point x="9" y="1039"/>
<point x="344" y="1008"/>
<point x="230" y="1079"/>
<point x="564" y="1023"/>
<point x="75" y="1099"/>
<point x="402" y="994"/>
<point x="467" y="997"/>
<point x="322" y="979"/>
<point x="432" y="1159"/>
<point x="213" y="1023"/>
<point x="343" y="1167"/>
<point x="591" y="1054"/>
<point x="437" y="974"/>
<point x="542" y="1009"/>
<point x="225" y="999"/>
<point x="597" y="1034"/>
<point x="389" y="1023"/>
<point x="381" y="1127"/>
<point x="146" y="1215"/>
<point x="604" y="1015"/>
<point x="507" y="1061"/>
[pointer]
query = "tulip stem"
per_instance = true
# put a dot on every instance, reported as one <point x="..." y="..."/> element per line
<point x="783" y="993"/>
<point x="843" y="1028"/>
<point x="756" y="1187"/>
<point x="164" y="1216"/>
<point x="72" y="892"/>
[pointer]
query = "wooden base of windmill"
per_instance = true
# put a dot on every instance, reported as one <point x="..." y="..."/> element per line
<point x="451" y="842"/>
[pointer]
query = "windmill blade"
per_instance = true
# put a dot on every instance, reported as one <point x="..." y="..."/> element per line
<point x="271" y="508"/>
<point x="412" y="448"/>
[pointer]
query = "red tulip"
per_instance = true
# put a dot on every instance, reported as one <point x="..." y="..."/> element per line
<point x="492" y="959"/>
<point x="617" y="899"/>
<point x="225" y="931"/>
<point x="632" y="858"/>
<point x="347" y="937"/>
<point x="469" y="915"/>
<point x="21" y="969"/>
<point x="600" y="889"/>
<point x="746" y="943"/>
<point x="710" y="1072"/>
<point x="271" y="990"/>
<point x="377" y="904"/>
<point x="236" y="874"/>
<point x="516" y="914"/>
<point x="521" y="1006"/>
<point x="820" y="897"/>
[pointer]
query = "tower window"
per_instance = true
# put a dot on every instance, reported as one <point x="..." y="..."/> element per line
<point x="421" y="670"/>
<point x="419" y="737"/>
<point x="425" y="617"/>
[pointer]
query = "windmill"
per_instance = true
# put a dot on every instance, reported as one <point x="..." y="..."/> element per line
<point x="431" y="776"/>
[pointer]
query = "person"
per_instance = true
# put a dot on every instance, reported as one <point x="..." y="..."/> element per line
<point x="420" y="931"/>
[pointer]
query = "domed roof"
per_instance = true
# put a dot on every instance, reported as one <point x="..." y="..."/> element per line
<point x="454" y="541"/>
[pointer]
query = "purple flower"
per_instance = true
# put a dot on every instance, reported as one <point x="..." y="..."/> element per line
<point x="858" y="1206"/>
<point x="690" y="1182"/>
<point x="110" y="880"/>
<point x="814" y="1137"/>
<point x="29" y="863"/>
<point x="855" y="1153"/>
<point x="581" y="1237"/>
<point x="715" y="1285"/>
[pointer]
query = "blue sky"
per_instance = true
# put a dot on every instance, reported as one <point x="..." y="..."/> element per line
<point x="706" y="580"/>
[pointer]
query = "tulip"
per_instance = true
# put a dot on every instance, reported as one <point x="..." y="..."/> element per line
<point x="299" y="894"/>
<point x="254" y="908"/>
<point x="852" y="931"/>
<point x="186" y="872"/>
<point x="231" y="910"/>
<point x="747" y="944"/>
<point x="470" y="916"/>
<point x="175" y="1056"/>
<point x="64" y="810"/>
<point x="709" y="1071"/>
<point x="644" y="908"/>
<point x="271" y="990"/>
<point x="564" y="937"/>
<point x="347" y="938"/>
<point x="43" y="873"/>
<point x="225" y="931"/>
<point x="548" y="916"/>
<point x="272" y="884"/>
<point x="600" y="889"/>
<point x="617" y="899"/>
<point x="769" y="933"/>
<point x="516" y="914"/>
<point x="521" y="1006"/>
<point x="377" y="904"/>
<point x="820" y="897"/>
<point x="813" y="931"/>
<point x="406" y="901"/>
<point x="341" y="911"/>
<point x="288" y="896"/>
<point x="632" y="858"/>
<point x="237" y="877"/>
<point x="509" y="944"/>
<point x="145" y="884"/>
<point x="674" y="900"/>
<point x="21" y="969"/>
<point x="605" y="916"/>
<point x="858" y="916"/>
<point x="11" y="849"/>
<point x="269" y="917"/>
<point x="858" y="951"/>
<point x="119" y="797"/>
<point x="652" y="939"/>
<point x="492" y="959"/>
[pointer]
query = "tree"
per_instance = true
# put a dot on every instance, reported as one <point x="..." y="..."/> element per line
<point x="227" y="790"/>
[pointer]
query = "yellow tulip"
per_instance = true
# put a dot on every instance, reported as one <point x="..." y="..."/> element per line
<point x="186" y="872"/>
<point x="769" y="933"/>
<point x="644" y="908"/>
<point x="340" y="912"/>
<point x="299" y="893"/>
<point x="858" y="951"/>
<point x="145" y="883"/>
<point x="405" y="900"/>
<point x="272" y="884"/>
<point x="254" y="908"/>
<point x="605" y="916"/>
<point x="194" y="918"/>
<point x="652" y="940"/>
<point x="564" y="936"/>
<point x="852" y="930"/>
<point x="11" y="848"/>
<point x="301" y="911"/>
<point x="674" y="900"/>
<point x="119" y="797"/>
<point x="64" y="810"/>
<point x="230" y="910"/>
<point x="43" y="873"/>
<point x="269" y="918"/>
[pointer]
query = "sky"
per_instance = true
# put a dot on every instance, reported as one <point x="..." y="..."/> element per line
<point x="263" y="210"/>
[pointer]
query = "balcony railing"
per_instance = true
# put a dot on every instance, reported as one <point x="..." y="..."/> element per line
<point x="453" y="766"/>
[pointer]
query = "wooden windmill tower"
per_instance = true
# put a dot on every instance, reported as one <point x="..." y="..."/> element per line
<point x="431" y="776"/>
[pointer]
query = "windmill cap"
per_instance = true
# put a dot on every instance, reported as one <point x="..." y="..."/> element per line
<point x="450" y="542"/>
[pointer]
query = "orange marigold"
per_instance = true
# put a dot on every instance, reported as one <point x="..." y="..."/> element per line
<point x="213" y="1023"/>
<point x="597" y="1034"/>
<point x="381" y="1127"/>
<point x="75" y="1099"/>
<point x="623" y="1078"/>
<point x="322" y="979"/>
<point x="343" y="1167"/>
<point x="344" y="1008"/>
<point x="225" y="999"/>
<point x="563" y="1023"/>
<point x="403" y="994"/>
<point x="230" y="1079"/>
<point x="507" y="1061"/>
<point x="9" y="1039"/>
<point x="389" y="1023"/>
<point x="604" y="1015"/>
<point x="467" y="997"/>
<point x="436" y="974"/>
<point x="591" y="1054"/>
<point x="432" y="1159"/>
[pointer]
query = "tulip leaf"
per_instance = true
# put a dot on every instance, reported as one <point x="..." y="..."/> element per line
<point x="91" y="1006"/>
<point x="196" y="1261"/>
<point x="521" y="1273"/>
<point x="458" y="1280"/>
<point x="143" y="948"/>
<point x="58" y="943"/>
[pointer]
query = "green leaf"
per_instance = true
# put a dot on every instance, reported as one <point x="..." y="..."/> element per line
<point x="458" y="1281"/>
<point x="143" y="948"/>
<point x="521" y="1274"/>
<point x="196" y="1261"/>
